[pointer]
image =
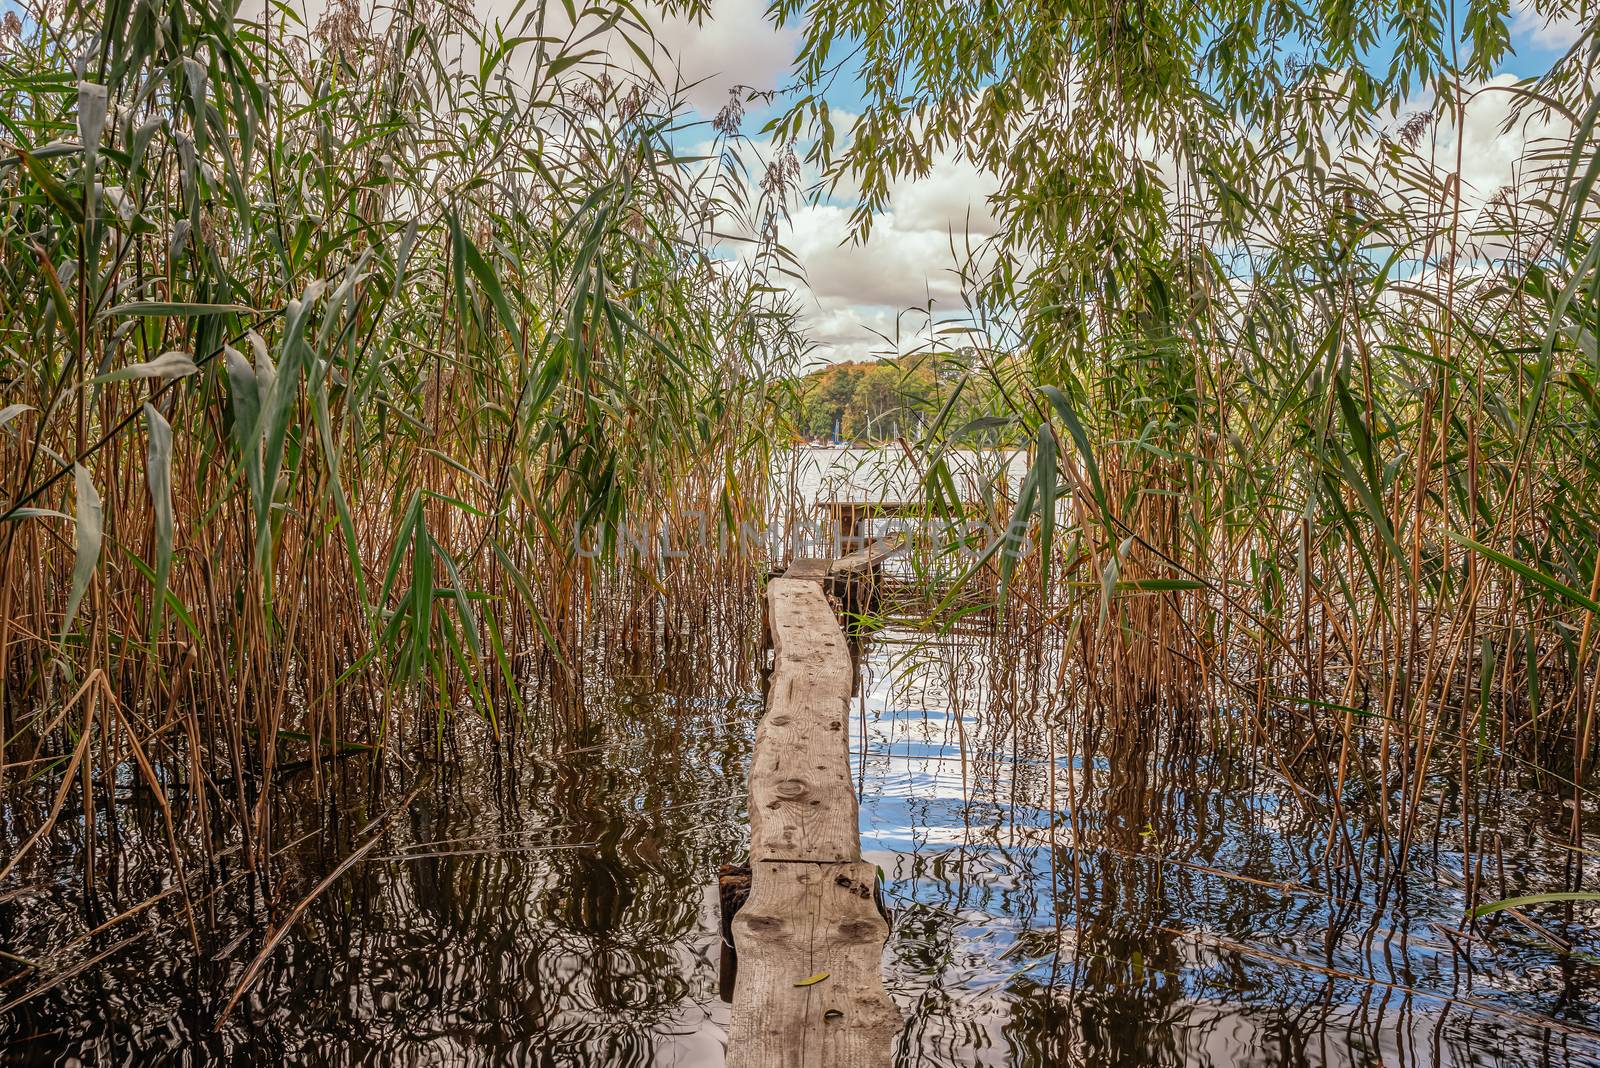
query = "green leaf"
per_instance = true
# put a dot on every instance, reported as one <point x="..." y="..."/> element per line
<point x="1044" y="469"/>
<point x="1534" y="899"/>
<point x="54" y="191"/>
<point x="1554" y="585"/>
<point x="245" y="393"/>
<point x="11" y="411"/>
<point x="489" y="281"/>
<point x="156" y="309"/>
<point x="1160" y="584"/>
<point x="158" y="475"/>
<point x="92" y="100"/>
<point x="1063" y="407"/>
<point x="172" y="364"/>
<point x="90" y="524"/>
<point x="35" y="513"/>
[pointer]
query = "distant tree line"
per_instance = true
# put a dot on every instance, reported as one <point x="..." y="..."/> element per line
<point x="879" y="400"/>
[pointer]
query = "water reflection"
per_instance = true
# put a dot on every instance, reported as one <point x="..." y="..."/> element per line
<point x="1163" y="902"/>
<point x="550" y="911"/>
<point x="1067" y="892"/>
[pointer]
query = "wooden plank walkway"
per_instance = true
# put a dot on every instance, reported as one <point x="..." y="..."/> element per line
<point x="845" y="576"/>
<point x="854" y="578"/>
<point x="812" y="909"/>
<point x="864" y="560"/>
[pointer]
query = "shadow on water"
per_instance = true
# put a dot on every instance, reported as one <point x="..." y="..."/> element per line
<point x="1066" y="892"/>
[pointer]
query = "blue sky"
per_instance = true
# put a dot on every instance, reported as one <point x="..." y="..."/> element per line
<point x="856" y="292"/>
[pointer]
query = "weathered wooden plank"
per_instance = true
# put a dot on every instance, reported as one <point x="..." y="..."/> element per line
<point x="866" y="559"/>
<point x="805" y="920"/>
<point x="812" y="568"/>
<point x="848" y="517"/>
<point x="853" y="579"/>
<point x="811" y="913"/>
<point x="802" y="803"/>
<point x="865" y="509"/>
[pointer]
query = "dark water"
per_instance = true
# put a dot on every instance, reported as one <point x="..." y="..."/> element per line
<point x="550" y="912"/>
<point x="1168" y="907"/>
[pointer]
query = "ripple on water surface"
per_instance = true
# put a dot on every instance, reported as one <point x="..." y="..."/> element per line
<point x="555" y="909"/>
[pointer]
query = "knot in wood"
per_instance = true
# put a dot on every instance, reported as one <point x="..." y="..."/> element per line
<point x="791" y="789"/>
<point x="760" y="925"/>
<point x="859" y="931"/>
<point x="850" y="886"/>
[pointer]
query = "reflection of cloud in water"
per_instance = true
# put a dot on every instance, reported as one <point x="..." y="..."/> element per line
<point x="553" y="908"/>
<point x="1204" y="930"/>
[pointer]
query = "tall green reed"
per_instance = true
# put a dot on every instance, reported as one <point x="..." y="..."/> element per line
<point x="1313" y="427"/>
<point x="327" y="351"/>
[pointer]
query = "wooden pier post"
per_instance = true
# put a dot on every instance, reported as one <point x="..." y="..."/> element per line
<point x="809" y="992"/>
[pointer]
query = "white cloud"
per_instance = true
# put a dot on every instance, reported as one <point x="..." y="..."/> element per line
<point x="1496" y="141"/>
<point x="1502" y="143"/>
<point x="857" y="289"/>
<point x="953" y="196"/>
<point x="1555" y="33"/>
<point x="734" y="46"/>
<point x="848" y="331"/>
<point x="897" y="265"/>
<point x="843" y="330"/>
<point x="858" y="293"/>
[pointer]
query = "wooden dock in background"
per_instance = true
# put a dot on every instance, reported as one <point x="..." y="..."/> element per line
<point x="853" y="578"/>
<point x="849" y="517"/>
<point x="809" y="991"/>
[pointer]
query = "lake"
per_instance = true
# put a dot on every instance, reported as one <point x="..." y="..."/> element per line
<point x="1060" y="896"/>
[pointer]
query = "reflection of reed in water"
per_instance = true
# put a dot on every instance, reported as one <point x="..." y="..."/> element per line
<point x="1128" y="886"/>
<point x="1124" y="971"/>
<point x="475" y="933"/>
